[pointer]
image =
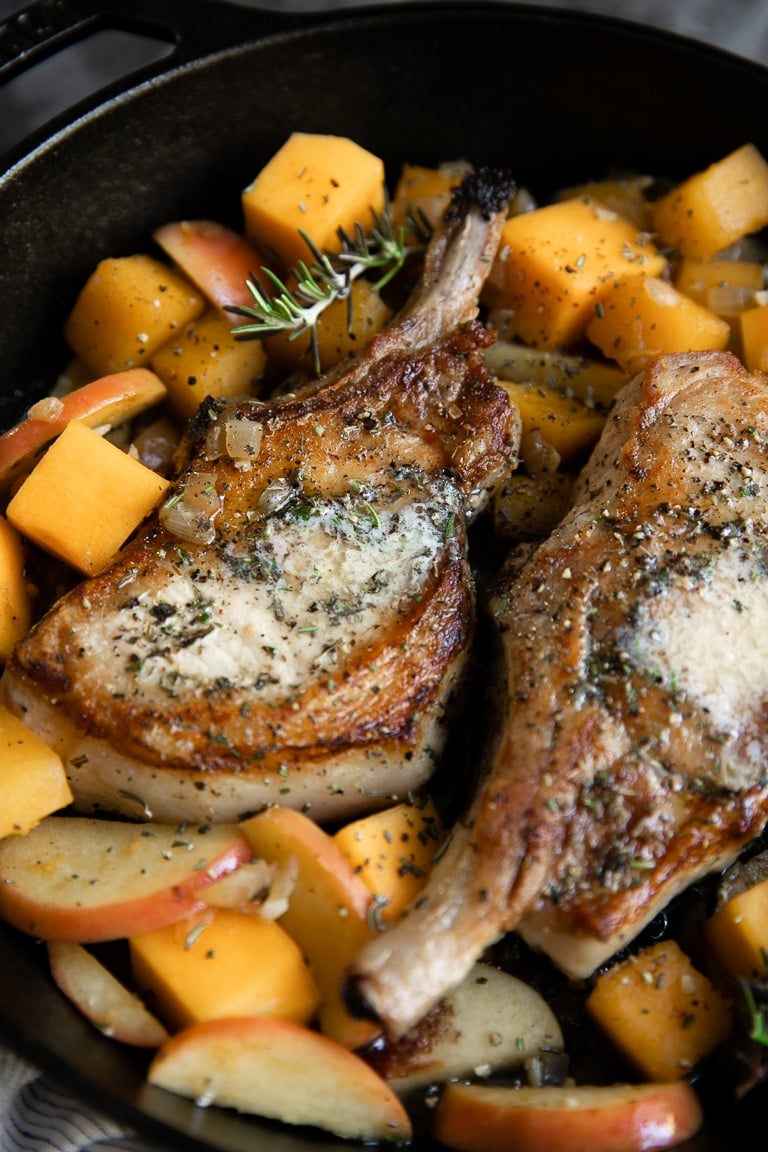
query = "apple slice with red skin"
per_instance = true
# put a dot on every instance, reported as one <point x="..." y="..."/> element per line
<point x="217" y="260"/>
<point x="110" y="400"/>
<point x="87" y="880"/>
<point x="102" y="998"/>
<point x="283" y="1071"/>
<point x="611" y="1118"/>
<point x="328" y="911"/>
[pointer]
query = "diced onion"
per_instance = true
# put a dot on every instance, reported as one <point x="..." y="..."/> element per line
<point x="236" y="437"/>
<point x="661" y="292"/>
<point x="191" y="513"/>
<point x="275" y="495"/>
<point x="281" y="889"/>
<point x="537" y="455"/>
<point x="730" y="299"/>
<point x="49" y="409"/>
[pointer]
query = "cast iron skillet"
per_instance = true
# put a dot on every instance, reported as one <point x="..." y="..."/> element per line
<point x="557" y="96"/>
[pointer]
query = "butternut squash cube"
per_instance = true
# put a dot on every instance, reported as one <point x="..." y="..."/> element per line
<point x="425" y="192"/>
<point x="660" y="1011"/>
<point x="753" y="331"/>
<point x="337" y="338"/>
<point x="33" y="782"/>
<point x="392" y="851"/>
<point x="15" y="600"/>
<point x="314" y="184"/>
<point x="205" y="359"/>
<point x="738" y="934"/>
<point x="84" y="498"/>
<point x="716" y="207"/>
<point x="223" y="963"/>
<point x="625" y="195"/>
<point x="127" y="308"/>
<point x="557" y="263"/>
<point x="594" y="382"/>
<point x="643" y="317"/>
<point x="564" y="422"/>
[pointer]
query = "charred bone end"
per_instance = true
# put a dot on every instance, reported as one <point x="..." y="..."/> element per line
<point x="489" y="189"/>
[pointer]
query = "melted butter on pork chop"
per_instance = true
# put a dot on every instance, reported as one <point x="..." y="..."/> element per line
<point x="317" y="582"/>
<point x="633" y="756"/>
<point x="304" y="642"/>
<point x="727" y="681"/>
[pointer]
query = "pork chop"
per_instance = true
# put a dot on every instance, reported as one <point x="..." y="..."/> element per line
<point x="293" y="624"/>
<point x="633" y="757"/>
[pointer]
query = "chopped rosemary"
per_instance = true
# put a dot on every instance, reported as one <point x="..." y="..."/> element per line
<point x="328" y="278"/>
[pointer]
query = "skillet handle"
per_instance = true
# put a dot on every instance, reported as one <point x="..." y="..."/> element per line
<point x="61" y="35"/>
<point x="45" y="27"/>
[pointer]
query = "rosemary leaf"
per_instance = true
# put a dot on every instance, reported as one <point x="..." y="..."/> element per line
<point x="328" y="278"/>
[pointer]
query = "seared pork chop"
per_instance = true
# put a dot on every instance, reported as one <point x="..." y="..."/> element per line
<point x="292" y="625"/>
<point x="633" y="758"/>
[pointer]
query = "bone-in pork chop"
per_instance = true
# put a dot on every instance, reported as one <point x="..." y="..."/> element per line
<point x="292" y="626"/>
<point x="633" y="758"/>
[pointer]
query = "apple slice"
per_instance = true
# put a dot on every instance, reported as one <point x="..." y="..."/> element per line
<point x="82" y="879"/>
<point x="490" y="1021"/>
<point x="328" y="911"/>
<point x="218" y="260"/>
<point x="283" y="1071"/>
<point x="611" y="1118"/>
<point x="108" y="401"/>
<point x="102" y="998"/>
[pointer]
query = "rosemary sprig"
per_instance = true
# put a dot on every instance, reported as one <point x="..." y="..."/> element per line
<point x="328" y="278"/>
<point x="756" y="1022"/>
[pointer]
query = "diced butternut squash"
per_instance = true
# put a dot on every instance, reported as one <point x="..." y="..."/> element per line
<point x="425" y="192"/>
<point x="624" y="195"/>
<point x="564" y="422"/>
<point x="715" y="282"/>
<point x="314" y="184"/>
<point x="84" y="498"/>
<point x="33" y="783"/>
<point x="337" y="338"/>
<point x="660" y="1011"/>
<point x="205" y="359"/>
<point x="223" y="963"/>
<point x="593" y="381"/>
<point x="556" y="264"/>
<point x="392" y="851"/>
<point x="127" y="308"/>
<point x="716" y="207"/>
<point x="738" y="934"/>
<point x="328" y="912"/>
<point x="643" y="317"/>
<point x="15" y="600"/>
<point x="753" y="330"/>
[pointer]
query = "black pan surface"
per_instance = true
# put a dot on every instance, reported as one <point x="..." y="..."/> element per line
<point x="556" y="96"/>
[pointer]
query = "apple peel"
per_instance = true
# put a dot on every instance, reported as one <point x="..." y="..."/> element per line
<point x="108" y="401"/>
<point x="219" y="261"/>
<point x="610" y="1118"/>
<point x="102" y="998"/>
<point x="87" y="880"/>
<point x="283" y="1071"/>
